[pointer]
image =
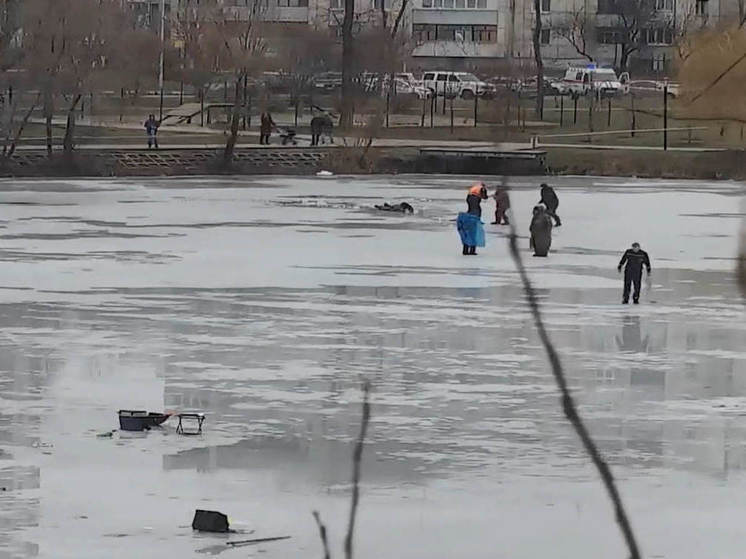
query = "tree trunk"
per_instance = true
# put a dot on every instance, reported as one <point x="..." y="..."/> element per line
<point x="539" y="62"/>
<point x="19" y="132"/>
<point x="48" y="113"/>
<point x="624" y="59"/>
<point x="68" y="142"/>
<point x="348" y="106"/>
<point x="230" y="145"/>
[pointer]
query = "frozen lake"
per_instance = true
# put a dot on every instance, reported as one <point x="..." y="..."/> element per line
<point x="264" y="302"/>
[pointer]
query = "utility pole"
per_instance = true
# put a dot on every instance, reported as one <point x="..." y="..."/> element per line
<point x="161" y="61"/>
<point x="665" y="115"/>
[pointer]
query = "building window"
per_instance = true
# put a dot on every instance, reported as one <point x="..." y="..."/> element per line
<point x="659" y="62"/>
<point x="607" y="7"/>
<point x="700" y="7"/>
<point x="423" y="32"/>
<point x="485" y="33"/>
<point x="448" y="4"/>
<point x="471" y="3"/>
<point x="460" y="4"/>
<point x="427" y="3"/>
<point x="546" y="6"/>
<point x="292" y="3"/>
<point x="335" y="4"/>
<point x="545" y="36"/>
<point x="664" y="5"/>
<point x="482" y="4"/>
<point x="659" y="36"/>
<point x="608" y="37"/>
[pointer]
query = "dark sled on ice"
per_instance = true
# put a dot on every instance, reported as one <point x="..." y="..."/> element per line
<point x="140" y="420"/>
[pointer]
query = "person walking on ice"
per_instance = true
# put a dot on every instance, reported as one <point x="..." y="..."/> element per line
<point x="633" y="260"/>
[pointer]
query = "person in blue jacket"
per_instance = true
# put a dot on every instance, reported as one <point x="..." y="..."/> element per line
<point x="469" y="223"/>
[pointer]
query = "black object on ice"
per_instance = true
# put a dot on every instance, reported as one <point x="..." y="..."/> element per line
<point x="210" y="521"/>
<point x="190" y="417"/>
<point x="403" y="207"/>
<point x="140" y="420"/>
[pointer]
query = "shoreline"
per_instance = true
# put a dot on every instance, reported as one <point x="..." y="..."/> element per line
<point x="305" y="161"/>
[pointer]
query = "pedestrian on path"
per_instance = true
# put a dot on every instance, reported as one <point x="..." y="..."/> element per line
<point x="634" y="258"/>
<point x="266" y="126"/>
<point x="541" y="231"/>
<point x="551" y="202"/>
<point x="151" y="128"/>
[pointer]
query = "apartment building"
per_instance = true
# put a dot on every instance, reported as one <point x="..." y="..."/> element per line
<point x="477" y="34"/>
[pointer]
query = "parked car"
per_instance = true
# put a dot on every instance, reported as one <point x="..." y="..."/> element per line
<point x="456" y="84"/>
<point x="527" y="87"/>
<point x="403" y="87"/>
<point x="328" y="81"/>
<point x="592" y="79"/>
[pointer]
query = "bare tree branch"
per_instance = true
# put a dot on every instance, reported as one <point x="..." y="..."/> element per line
<point x="399" y="17"/>
<point x="357" y="458"/>
<point x="575" y="31"/>
<point x="568" y="404"/>
<point x="322" y="534"/>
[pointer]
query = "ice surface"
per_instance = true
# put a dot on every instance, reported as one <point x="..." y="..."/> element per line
<point x="263" y="302"/>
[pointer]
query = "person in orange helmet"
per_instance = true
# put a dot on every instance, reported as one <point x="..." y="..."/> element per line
<point x="469" y="223"/>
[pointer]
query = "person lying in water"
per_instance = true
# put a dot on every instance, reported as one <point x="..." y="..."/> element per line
<point x="402" y="207"/>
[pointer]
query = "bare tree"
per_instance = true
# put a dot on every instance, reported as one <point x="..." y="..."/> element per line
<point x="347" y="114"/>
<point x="65" y="44"/>
<point x="244" y="46"/>
<point x="634" y="16"/>
<point x="576" y="29"/>
<point x="538" y="61"/>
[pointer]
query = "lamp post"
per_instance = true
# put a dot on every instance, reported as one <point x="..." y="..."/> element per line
<point x="161" y="61"/>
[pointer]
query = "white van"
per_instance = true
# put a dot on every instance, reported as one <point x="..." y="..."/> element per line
<point x="457" y="84"/>
<point x="602" y="82"/>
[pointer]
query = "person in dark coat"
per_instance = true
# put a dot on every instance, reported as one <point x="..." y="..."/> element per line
<point x="469" y="223"/>
<point x="551" y="202"/>
<point x="321" y="125"/>
<point x="266" y="126"/>
<point x="151" y="128"/>
<point x="502" y="205"/>
<point x="633" y="261"/>
<point x="402" y="207"/>
<point x="541" y="231"/>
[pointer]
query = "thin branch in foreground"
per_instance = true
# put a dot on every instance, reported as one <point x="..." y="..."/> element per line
<point x="357" y="458"/>
<point x="568" y="404"/>
<point x="322" y="534"/>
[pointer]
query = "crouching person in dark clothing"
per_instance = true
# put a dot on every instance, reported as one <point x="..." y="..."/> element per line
<point x="550" y="200"/>
<point x="634" y="258"/>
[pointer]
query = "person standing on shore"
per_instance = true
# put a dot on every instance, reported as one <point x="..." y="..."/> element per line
<point x="551" y="202"/>
<point x="502" y="205"/>
<point x="151" y="128"/>
<point x="265" y="127"/>
<point x="469" y="223"/>
<point x="634" y="258"/>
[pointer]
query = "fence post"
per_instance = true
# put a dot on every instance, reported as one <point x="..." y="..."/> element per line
<point x="296" y="114"/>
<point x="181" y="92"/>
<point x="634" y="115"/>
<point x="665" y="116"/>
<point x="562" y="110"/>
<point x="476" y="105"/>
<point x="445" y="89"/>
<point x="388" y="107"/>
<point x="201" y="106"/>
<point x="451" y="115"/>
<point x="424" y="108"/>
<point x="575" y="110"/>
<point x="590" y="118"/>
<point x="121" y="105"/>
<point x="608" y="121"/>
<point x="433" y="100"/>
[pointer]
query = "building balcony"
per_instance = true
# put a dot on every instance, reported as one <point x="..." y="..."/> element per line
<point x="455" y="17"/>
<point x="458" y="49"/>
